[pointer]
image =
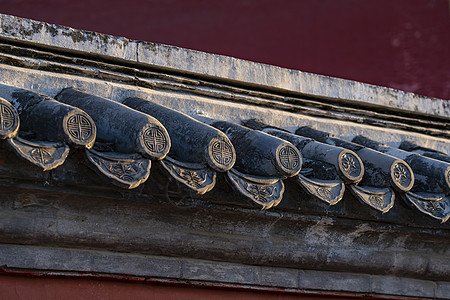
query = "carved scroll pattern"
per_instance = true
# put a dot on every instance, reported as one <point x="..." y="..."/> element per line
<point x="289" y="158"/>
<point x="8" y="118"/>
<point x="192" y="178"/>
<point x="80" y="128"/>
<point x="201" y="180"/>
<point x="381" y="199"/>
<point x="44" y="155"/>
<point x="40" y="155"/>
<point x="329" y="191"/>
<point x="436" y="206"/>
<point x="222" y="152"/>
<point x="324" y="192"/>
<point x="376" y="200"/>
<point x="350" y="165"/>
<point x="266" y="195"/>
<point x="260" y="193"/>
<point x="128" y="172"/>
<point x="124" y="171"/>
<point x="155" y="140"/>
<point x="402" y="175"/>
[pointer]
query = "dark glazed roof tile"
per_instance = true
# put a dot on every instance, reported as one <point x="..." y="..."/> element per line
<point x="256" y="158"/>
<point x="383" y="172"/>
<point x="431" y="175"/>
<point x="325" y="168"/>
<point x="46" y="119"/>
<point x="192" y="141"/>
<point x="198" y="150"/>
<point x="407" y="146"/>
<point x="431" y="189"/>
<point x="258" y="153"/>
<point x="144" y="134"/>
<point x="266" y="192"/>
<point x="262" y="161"/>
<point x="47" y="127"/>
<point x="133" y="138"/>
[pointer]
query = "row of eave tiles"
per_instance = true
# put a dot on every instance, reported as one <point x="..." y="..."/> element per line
<point x="121" y="139"/>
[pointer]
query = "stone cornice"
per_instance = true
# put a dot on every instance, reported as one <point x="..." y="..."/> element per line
<point x="227" y="145"/>
<point x="224" y="68"/>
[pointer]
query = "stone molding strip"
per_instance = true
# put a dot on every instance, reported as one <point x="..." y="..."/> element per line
<point x="73" y="64"/>
<point x="51" y="82"/>
<point x="60" y="261"/>
<point x="215" y="66"/>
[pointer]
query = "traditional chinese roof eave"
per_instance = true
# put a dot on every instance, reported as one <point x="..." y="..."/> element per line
<point x="85" y="207"/>
<point x="31" y="66"/>
<point x="257" y="158"/>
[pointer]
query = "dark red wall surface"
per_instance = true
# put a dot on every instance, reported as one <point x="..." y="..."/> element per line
<point x="57" y="288"/>
<point x="403" y="44"/>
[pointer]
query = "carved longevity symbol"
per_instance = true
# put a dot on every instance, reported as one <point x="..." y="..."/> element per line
<point x="79" y="127"/>
<point x="259" y="192"/>
<point x="289" y="158"/>
<point x="222" y="152"/>
<point x="192" y="178"/>
<point x="324" y="192"/>
<point x="41" y="156"/>
<point x="402" y="175"/>
<point x="376" y="200"/>
<point x="154" y="139"/>
<point x="7" y="117"/>
<point x="350" y="165"/>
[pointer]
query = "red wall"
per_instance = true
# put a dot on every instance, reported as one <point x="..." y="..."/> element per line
<point x="403" y="44"/>
<point x="56" y="288"/>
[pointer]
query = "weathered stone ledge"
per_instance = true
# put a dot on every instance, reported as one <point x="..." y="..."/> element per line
<point x="196" y="271"/>
<point x="215" y="66"/>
